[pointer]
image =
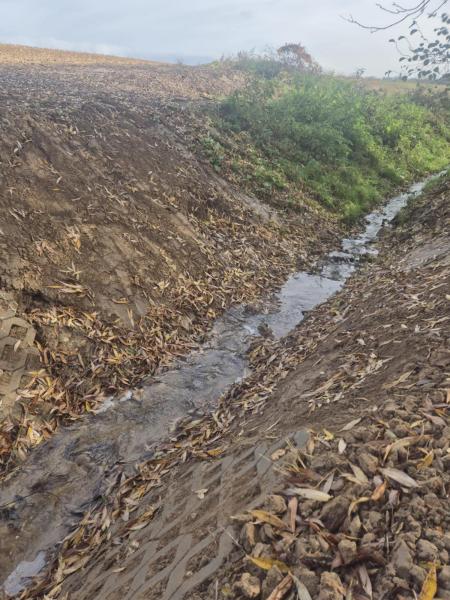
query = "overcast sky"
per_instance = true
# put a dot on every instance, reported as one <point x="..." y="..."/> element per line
<point x="198" y="30"/>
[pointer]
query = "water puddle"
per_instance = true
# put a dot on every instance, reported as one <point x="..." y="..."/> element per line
<point x="63" y="475"/>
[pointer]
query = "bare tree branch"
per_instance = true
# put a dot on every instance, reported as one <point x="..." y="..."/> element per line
<point x="427" y="59"/>
<point x="403" y="13"/>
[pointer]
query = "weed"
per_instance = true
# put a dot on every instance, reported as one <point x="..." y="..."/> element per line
<point x="347" y="146"/>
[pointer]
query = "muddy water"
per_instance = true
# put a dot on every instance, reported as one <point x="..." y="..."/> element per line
<point x="55" y="485"/>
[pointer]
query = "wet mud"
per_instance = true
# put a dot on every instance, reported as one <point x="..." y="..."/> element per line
<point x="41" y="502"/>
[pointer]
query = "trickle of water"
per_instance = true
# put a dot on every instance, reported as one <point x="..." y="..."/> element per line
<point x="15" y="582"/>
<point x="73" y="467"/>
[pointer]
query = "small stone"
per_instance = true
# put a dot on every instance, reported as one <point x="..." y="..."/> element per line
<point x="431" y="501"/>
<point x="418" y="575"/>
<point x="426" y="551"/>
<point x="266" y="533"/>
<point x="390" y="435"/>
<point x="400" y="428"/>
<point x="248" y="537"/>
<point x="417" y="506"/>
<point x="355" y="526"/>
<point x="319" y="462"/>
<point x="331" y="587"/>
<point x="334" y="513"/>
<point x="401" y="584"/>
<point x="261" y="550"/>
<point x="402" y="559"/>
<point x="444" y="578"/>
<point x="273" y="578"/>
<point x="301" y="549"/>
<point x="308" y="507"/>
<point x="314" y="543"/>
<point x="414" y="527"/>
<point x="309" y="579"/>
<point x="276" y="504"/>
<point x="373" y="521"/>
<point x="364" y="435"/>
<point x="347" y="550"/>
<point x="368" y="463"/>
<point x="368" y="538"/>
<point x="324" y="546"/>
<point x="435" y="484"/>
<point x="409" y="538"/>
<point x="249" y="585"/>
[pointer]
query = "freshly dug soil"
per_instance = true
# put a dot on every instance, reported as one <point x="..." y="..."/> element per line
<point x="324" y="474"/>
<point x="119" y="243"/>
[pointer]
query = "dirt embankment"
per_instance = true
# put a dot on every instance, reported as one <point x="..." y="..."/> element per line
<point x="118" y="243"/>
<point x="325" y="473"/>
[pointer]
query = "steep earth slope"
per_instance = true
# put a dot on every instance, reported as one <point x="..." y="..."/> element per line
<point x="118" y="243"/>
<point x="325" y="473"/>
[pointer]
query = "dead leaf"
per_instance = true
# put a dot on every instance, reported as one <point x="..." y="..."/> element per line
<point x="302" y="590"/>
<point x="292" y="510"/>
<point x="402" y="443"/>
<point x="401" y="379"/>
<point x="328" y="483"/>
<point x="427" y="460"/>
<point x="80" y="562"/>
<point x="281" y="589"/>
<point x="400" y="477"/>
<point x="359" y="474"/>
<point x="439" y="421"/>
<point x="215" y="452"/>
<point x="356" y="502"/>
<point x="342" y="445"/>
<point x="365" y="580"/>
<point x="328" y="435"/>
<point x="429" y="587"/>
<point x="310" y="494"/>
<point x="351" y="424"/>
<point x="266" y="517"/>
<point x="267" y="563"/>
<point x="378" y="492"/>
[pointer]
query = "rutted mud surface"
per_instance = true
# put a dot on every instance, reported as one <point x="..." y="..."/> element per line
<point x="120" y="244"/>
<point x="63" y="475"/>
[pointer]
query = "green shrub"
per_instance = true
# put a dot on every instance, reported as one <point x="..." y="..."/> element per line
<point x="214" y="151"/>
<point x="346" y="145"/>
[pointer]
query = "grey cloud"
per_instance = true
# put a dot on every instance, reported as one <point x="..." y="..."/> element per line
<point x="199" y="29"/>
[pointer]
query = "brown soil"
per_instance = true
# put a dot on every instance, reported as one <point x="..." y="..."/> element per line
<point x="365" y="380"/>
<point x="119" y="242"/>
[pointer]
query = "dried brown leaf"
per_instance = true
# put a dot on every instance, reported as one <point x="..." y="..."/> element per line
<point x="351" y="424"/>
<point x="429" y="587"/>
<point x="267" y="517"/>
<point x="400" y="477"/>
<point x="280" y="591"/>
<point x="310" y="494"/>
<point x="266" y="563"/>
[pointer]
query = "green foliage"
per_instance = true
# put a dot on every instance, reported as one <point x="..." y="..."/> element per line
<point x="214" y="151"/>
<point x="428" y="59"/>
<point x="266" y="66"/>
<point x="341" y="142"/>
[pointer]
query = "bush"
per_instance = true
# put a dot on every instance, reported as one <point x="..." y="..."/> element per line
<point x="346" y="145"/>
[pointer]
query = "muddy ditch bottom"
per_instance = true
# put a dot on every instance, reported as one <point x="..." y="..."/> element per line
<point x="41" y="502"/>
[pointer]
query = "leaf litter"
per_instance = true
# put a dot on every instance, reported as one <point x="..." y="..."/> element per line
<point x="371" y="542"/>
